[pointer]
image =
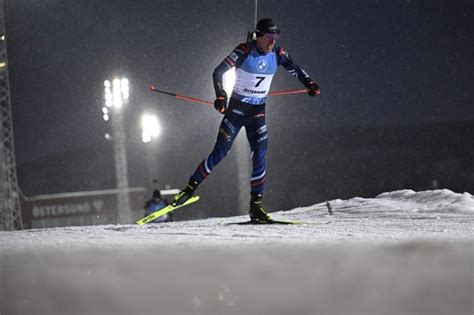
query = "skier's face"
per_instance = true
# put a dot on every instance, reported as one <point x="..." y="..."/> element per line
<point x="267" y="41"/>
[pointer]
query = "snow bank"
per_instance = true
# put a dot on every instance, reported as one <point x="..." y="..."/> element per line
<point x="442" y="201"/>
<point x="393" y="216"/>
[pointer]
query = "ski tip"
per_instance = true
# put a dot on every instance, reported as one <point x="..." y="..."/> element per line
<point x="192" y="199"/>
<point x="152" y="88"/>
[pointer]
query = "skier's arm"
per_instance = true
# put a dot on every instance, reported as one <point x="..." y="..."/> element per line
<point x="294" y="69"/>
<point x="234" y="59"/>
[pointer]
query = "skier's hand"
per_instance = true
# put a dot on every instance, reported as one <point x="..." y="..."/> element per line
<point x="313" y="89"/>
<point x="220" y="104"/>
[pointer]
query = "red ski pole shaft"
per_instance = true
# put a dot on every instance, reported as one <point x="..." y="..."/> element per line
<point x="287" y="92"/>
<point x="198" y="100"/>
<point x="193" y="99"/>
<point x="181" y="97"/>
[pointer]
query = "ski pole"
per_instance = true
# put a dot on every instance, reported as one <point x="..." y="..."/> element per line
<point x="198" y="100"/>
<point x="182" y="97"/>
<point x="287" y="92"/>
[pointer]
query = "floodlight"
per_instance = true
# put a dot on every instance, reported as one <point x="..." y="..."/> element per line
<point x="150" y="127"/>
<point x="124" y="82"/>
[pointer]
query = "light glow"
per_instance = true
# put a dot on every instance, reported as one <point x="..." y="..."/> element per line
<point x="151" y="128"/>
<point x="116" y="94"/>
<point x="228" y="81"/>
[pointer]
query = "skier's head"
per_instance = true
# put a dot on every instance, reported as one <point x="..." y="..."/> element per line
<point x="156" y="194"/>
<point x="267" y="34"/>
<point x="266" y="26"/>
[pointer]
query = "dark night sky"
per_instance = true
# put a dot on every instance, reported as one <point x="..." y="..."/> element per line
<point x="386" y="63"/>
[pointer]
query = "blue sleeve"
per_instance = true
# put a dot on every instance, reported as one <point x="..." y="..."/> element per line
<point x="285" y="60"/>
<point x="234" y="59"/>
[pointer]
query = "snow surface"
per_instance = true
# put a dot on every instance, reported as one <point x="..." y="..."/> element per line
<point x="402" y="252"/>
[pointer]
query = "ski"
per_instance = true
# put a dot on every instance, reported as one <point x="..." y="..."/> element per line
<point x="282" y="222"/>
<point x="279" y="222"/>
<point x="165" y="210"/>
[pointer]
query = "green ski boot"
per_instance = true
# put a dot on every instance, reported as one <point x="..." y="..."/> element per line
<point x="185" y="194"/>
<point x="256" y="212"/>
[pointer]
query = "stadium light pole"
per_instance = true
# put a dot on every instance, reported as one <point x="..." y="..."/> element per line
<point x="151" y="130"/>
<point x="116" y="97"/>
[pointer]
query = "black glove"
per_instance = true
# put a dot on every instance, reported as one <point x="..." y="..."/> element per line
<point x="313" y="89"/>
<point x="220" y="104"/>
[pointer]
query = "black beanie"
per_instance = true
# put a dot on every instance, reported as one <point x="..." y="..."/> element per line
<point x="266" y="26"/>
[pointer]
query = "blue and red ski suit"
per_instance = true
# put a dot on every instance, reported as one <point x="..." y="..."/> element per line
<point x="253" y="75"/>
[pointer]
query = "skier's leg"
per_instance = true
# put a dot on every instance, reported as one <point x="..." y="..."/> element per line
<point x="258" y="140"/>
<point x="228" y="130"/>
<point x="257" y="181"/>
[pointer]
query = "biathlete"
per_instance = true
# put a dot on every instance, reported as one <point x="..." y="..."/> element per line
<point x="256" y="62"/>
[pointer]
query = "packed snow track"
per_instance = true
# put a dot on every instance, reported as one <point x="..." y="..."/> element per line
<point x="402" y="252"/>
